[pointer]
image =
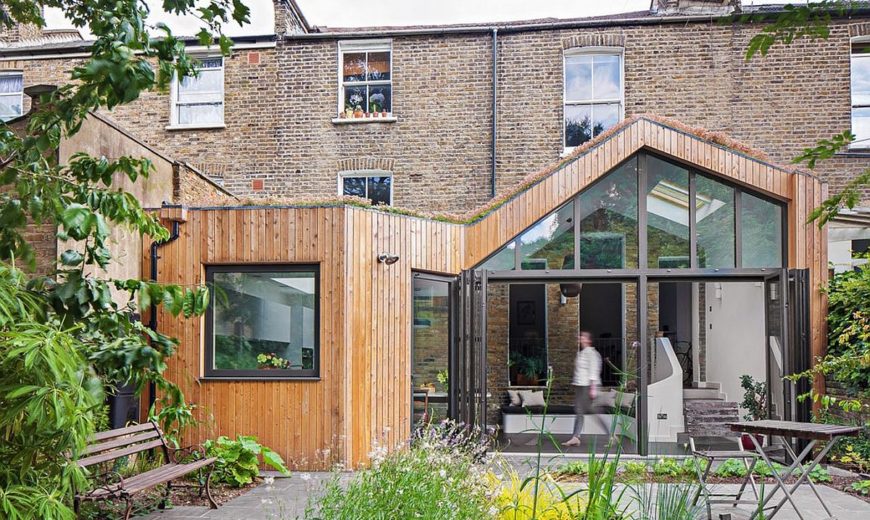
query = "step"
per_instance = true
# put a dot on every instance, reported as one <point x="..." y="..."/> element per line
<point x="703" y="393"/>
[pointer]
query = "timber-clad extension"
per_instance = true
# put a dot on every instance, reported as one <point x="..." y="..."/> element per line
<point x="362" y="397"/>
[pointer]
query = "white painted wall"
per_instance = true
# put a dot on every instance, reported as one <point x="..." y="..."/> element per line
<point x="735" y="335"/>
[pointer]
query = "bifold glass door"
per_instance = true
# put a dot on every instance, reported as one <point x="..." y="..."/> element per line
<point x="432" y="340"/>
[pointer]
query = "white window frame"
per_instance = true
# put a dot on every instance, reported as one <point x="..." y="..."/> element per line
<point x="620" y="101"/>
<point x="864" y="143"/>
<point x="174" y="91"/>
<point x="20" y="95"/>
<point x="366" y="174"/>
<point x="363" y="46"/>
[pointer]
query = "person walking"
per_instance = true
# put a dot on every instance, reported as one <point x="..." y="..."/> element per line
<point x="586" y="382"/>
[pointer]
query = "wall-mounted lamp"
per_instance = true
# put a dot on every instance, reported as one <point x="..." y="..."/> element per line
<point x="388" y="258"/>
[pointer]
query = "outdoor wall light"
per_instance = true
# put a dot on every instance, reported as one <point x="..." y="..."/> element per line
<point x="388" y="258"/>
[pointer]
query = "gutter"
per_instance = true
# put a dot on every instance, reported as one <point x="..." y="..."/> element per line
<point x="152" y="319"/>
<point x="494" y="110"/>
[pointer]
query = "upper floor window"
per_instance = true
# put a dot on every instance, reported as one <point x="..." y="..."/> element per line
<point x="365" y="79"/>
<point x="11" y="95"/>
<point x="593" y="93"/>
<point x="377" y="186"/>
<point x="198" y="101"/>
<point x="861" y="94"/>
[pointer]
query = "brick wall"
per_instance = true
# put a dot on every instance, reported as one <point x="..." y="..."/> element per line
<point x="280" y="103"/>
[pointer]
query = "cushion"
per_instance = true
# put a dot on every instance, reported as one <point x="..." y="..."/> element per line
<point x="532" y="398"/>
<point x="553" y="409"/>
<point x="514" y="396"/>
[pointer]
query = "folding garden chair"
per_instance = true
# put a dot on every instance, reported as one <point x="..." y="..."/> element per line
<point x="713" y="424"/>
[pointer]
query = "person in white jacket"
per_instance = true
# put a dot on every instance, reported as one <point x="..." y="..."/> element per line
<point x="586" y="382"/>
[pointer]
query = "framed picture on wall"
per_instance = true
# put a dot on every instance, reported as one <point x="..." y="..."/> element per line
<point x="526" y="312"/>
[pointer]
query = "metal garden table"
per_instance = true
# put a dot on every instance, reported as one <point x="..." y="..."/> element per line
<point x="812" y="432"/>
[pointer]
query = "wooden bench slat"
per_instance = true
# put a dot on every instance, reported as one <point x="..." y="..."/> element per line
<point x="116" y="454"/>
<point x="151" y="478"/>
<point x="124" y="441"/>
<point x="111" y="434"/>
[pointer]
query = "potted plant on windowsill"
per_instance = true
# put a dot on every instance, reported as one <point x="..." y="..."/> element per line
<point x="755" y="403"/>
<point x="272" y="361"/>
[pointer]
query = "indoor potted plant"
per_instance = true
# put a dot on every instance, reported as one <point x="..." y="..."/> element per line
<point x="272" y="361"/>
<point x="755" y="403"/>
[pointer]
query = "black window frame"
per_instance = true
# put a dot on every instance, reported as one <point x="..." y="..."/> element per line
<point x="289" y="374"/>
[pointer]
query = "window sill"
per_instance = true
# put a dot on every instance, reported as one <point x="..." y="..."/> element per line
<point x="361" y="120"/>
<point x="237" y="379"/>
<point x="213" y="126"/>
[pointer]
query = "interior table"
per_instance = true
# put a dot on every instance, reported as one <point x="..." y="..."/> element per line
<point x="812" y="432"/>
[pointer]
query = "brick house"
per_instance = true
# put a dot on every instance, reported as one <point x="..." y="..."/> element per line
<point x="448" y="118"/>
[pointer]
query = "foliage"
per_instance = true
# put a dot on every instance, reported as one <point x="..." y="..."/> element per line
<point x="862" y="487"/>
<point x="71" y="334"/>
<point x="848" y="358"/>
<point x="856" y="454"/>
<point x="577" y="467"/>
<point x="820" y="474"/>
<point x="731" y="468"/>
<point x="670" y="467"/>
<point x="238" y="459"/>
<point x="754" y="398"/>
<point x="426" y="480"/>
<point x="811" y="20"/>
<point x="634" y="470"/>
<point x="671" y="501"/>
<point x="453" y="437"/>
<point x="513" y="499"/>
<point x="763" y="470"/>
<point x="272" y="360"/>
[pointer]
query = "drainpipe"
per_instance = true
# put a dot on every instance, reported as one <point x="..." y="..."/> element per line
<point x="494" y="107"/>
<point x="152" y="320"/>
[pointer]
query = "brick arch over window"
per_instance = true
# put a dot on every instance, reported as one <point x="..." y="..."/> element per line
<point x="365" y="163"/>
<point x="594" y="40"/>
<point x="859" y="29"/>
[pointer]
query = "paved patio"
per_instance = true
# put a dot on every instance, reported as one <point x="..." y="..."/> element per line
<point x="287" y="499"/>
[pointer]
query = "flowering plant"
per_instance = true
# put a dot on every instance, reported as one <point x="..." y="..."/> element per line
<point x="272" y="360"/>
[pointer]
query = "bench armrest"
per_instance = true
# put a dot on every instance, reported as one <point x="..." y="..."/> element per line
<point x="187" y="454"/>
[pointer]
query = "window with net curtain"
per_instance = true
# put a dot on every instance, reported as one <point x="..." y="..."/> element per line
<point x="199" y="100"/>
<point x="263" y="321"/>
<point x="11" y="95"/>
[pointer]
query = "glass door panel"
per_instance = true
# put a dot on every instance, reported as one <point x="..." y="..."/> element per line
<point x="432" y="332"/>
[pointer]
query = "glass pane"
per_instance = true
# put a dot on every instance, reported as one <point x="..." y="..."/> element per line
<point x="604" y="117"/>
<point x="264" y="321"/>
<point x="578" y="78"/>
<point x="354" y="66"/>
<point x="10" y="106"/>
<point x="355" y="186"/>
<point x="667" y="208"/>
<point x="379" y="66"/>
<point x="211" y="63"/>
<point x="380" y="98"/>
<point x="606" y="77"/>
<point x="11" y="84"/>
<point x="714" y="217"/>
<point x="861" y="79"/>
<point x="208" y="81"/>
<point x="608" y="220"/>
<point x="354" y="98"/>
<point x="504" y="260"/>
<point x="549" y="244"/>
<point x="431" y="342"/>
<point x="379" y="190"/>
<point x="761" y="232"/>
<point x="861" y="126"/>
<point x="578" y="124"/>
<point x="200" y="114"/>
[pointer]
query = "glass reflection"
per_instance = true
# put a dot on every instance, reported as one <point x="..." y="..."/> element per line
<point x="761" y="232"/>
<point x="667" y="208"/>
<point x="714" y="218"/>
<point x="608" y="220"/>
<point x="550" y="242"/>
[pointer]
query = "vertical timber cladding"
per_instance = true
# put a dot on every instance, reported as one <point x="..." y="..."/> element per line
<point x="362" y="400"/>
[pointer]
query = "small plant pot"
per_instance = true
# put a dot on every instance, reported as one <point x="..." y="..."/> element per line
<point x="746" y="441"/>
<point x="384" y="113"/>
<point x="358" y="114"/>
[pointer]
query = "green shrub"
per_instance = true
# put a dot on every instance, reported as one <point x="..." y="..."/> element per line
<point x="669" y="467"/>
<point x="634" y="470"/>
<point x="862" y="487"/>
<point x="763" y="470"/>
<point x="417" y="482"/>
<point x="731" y="468"/>
<point x="820" y="474"/>
<point x="578" y="467"/>
<point x="238" y="461"/>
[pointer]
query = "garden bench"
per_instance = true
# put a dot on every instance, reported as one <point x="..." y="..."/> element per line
<point x="111" y="445"/>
